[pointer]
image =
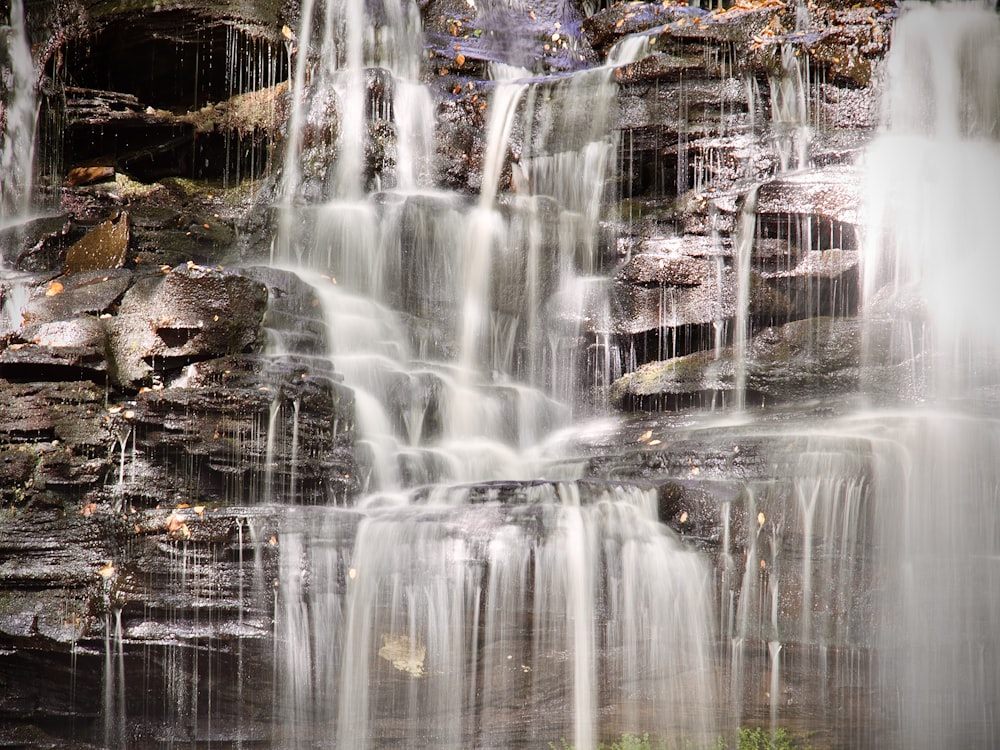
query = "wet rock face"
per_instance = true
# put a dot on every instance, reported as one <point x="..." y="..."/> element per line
<point x="706" y="116"/>
<point x="189" y="314"/>
<point x="541" y="36"/>
<point x="189" y="89"/>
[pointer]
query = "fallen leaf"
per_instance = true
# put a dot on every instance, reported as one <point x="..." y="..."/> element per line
<point x="174" y="523"/>
<point x="88" y="175"/>
<point x="88" y="510"/>
<point x="53" y="289"/>
<point x="106" y="571"/>
<point x="176" y="528"/>
<point x="460" y="59"/>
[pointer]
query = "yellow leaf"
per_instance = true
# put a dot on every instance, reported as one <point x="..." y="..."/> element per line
<point x="174" y="523"/>
<point x="107" y="570"/>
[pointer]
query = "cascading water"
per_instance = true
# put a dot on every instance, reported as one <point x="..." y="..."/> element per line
<point x="471" y="356"/>
<point x="487" y="591"/>
<point x="474" y="625"/>
<point x="451" y="619"/>
<point x="17" y="129"/>
<point x="931" y="261"/>
<point x="18" y="114"/>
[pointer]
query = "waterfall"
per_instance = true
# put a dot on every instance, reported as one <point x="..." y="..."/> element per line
<point x="931" y="263"/>
<point x="745" y="240"/>
<point x="495" y="625"/>
<point x="443" y="613"/>
<point x="471" y="554"/>
<point x="17" y="119"/>
<point x="458" y="326"/>
<point x="18" y="115"/>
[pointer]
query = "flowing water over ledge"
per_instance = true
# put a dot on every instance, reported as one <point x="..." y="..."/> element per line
<point x="504" y="565"/>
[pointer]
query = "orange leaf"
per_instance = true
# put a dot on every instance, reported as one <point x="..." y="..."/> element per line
<point x="54" y="288"/>
<point x="88" y="175"/>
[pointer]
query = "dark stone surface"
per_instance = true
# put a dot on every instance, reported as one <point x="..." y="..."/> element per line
<point x="188" y="314"/>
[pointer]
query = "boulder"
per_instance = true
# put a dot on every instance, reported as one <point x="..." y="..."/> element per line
<point x="188" y="314"/>
<point x="667" y="269"/>
<point x="834" y="193"/>
<point x="654" y="306"/>
<point x="805" y="359"/>
<point x="799" y="360"/>
<point x="680" y="382"/>
<point x="71" y="295"/>
<point x="61" y="350"/>
<point x="37" y="245"/>
<point x="541" y="36"/>
<point x="239" y="428"/>
<point x="56" y="437"/>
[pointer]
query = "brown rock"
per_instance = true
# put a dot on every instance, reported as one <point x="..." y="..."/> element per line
<point x="190" y="314"/>
<point x="105" y="246"/>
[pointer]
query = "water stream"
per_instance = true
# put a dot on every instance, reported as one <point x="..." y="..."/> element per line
<point x="18" y="116"/>
<point x="550" y="607"/>
<point x="934" y="187"/>
<point x="452" y="619"/>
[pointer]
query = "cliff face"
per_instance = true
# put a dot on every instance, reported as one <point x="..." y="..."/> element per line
<point x="153" y="447"/>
